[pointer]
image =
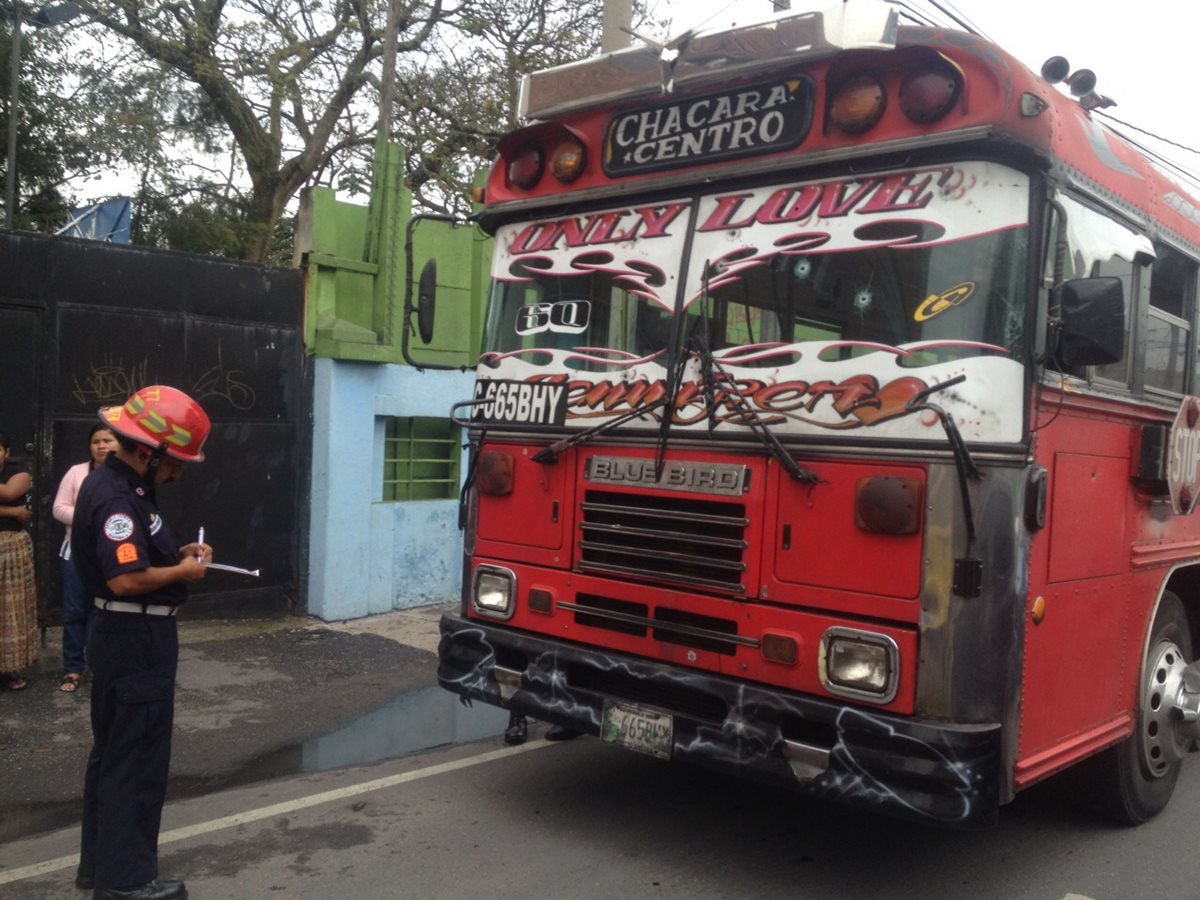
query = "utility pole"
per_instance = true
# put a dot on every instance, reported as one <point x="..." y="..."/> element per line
<point x="617" y="14"/>
<point x="10" y="180"/>
<point x="48" y="15"/>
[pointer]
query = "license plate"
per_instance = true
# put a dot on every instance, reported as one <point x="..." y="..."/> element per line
<point x="637" y="729"/>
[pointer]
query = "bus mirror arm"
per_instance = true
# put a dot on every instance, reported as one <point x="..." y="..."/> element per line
<point x="465" y="404"/>
<point x="424" y="308"/>
<point x="968" y="571"/>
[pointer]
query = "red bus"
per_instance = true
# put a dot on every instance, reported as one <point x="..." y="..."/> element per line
<point x="833" y="424"/>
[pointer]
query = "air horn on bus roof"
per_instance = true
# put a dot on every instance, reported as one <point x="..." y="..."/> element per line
<point x="1081" y="82"/>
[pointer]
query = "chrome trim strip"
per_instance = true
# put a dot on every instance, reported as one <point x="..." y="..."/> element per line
<point x="673" y="555"/>
<point x="807" y="760"/>
<point x="707" y="540"/>
<point x="725" y="587"/>
<point x="508" y="680"/>
<point x="1018" y="457"/>
<point x="662" y="513"/>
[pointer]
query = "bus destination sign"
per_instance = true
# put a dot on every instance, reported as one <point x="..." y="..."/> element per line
<point x="745" y="121"/>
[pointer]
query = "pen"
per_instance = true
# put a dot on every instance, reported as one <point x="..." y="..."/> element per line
<point x="200" y="541"/>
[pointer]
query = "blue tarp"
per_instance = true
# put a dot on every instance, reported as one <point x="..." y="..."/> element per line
<point x="108" y="221"/>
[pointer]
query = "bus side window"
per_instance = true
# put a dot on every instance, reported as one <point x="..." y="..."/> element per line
<point x="1101" y="245"/>
<point x="1168" y="323"/>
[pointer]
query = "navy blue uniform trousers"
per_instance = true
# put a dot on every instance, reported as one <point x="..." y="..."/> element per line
<point x="133" y="659"/>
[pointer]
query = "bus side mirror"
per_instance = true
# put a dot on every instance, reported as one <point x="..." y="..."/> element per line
<point x="1092" y="322"/>
<point x="426" y="300"/>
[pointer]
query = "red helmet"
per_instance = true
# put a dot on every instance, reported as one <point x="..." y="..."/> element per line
<point x="164" y="418"/>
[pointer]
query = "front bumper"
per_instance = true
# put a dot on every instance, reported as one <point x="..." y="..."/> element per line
<point x="903" y="766"/>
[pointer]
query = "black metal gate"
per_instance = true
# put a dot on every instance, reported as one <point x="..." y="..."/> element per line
<point x="83" y="324"/>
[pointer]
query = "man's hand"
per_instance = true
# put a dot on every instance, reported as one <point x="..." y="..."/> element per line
<point x="191" y="569"/>
<point x="203" y="552"/>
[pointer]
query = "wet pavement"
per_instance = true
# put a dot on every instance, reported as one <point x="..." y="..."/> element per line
<point x="256" y="699"/>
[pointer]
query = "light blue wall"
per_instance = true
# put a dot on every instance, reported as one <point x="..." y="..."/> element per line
<point x="366" y="556"/>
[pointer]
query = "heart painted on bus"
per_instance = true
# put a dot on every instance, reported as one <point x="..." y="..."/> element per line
<point x="890" y="402"/>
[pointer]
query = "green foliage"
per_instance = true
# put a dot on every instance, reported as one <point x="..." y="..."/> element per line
<point x="457" y="100"/>
<point x="51" y="141"/>
<point x="224" y="109"/>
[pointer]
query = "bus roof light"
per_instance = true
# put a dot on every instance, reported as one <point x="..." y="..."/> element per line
<point x="928" y="93"/>
<point x="568" y="159"/>
<point x="526" y="168"/>
<point x="858" y="103"/>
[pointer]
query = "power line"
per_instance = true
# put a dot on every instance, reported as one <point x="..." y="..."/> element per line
<point x="1157" y="137"/>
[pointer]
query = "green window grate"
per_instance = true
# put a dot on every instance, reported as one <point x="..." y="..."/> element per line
<point x="420" y="459"/>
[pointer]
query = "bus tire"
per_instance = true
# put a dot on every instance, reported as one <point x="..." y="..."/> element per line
<point x="1136" y="782"/>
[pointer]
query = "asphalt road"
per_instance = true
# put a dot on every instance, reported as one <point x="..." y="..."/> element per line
<point x="586" y="820"/>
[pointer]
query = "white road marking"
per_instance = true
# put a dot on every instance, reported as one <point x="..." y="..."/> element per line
<point x="289" y="806"/>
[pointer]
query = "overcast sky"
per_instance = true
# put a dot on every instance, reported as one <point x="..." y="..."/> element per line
<point x="1143" y="54"/>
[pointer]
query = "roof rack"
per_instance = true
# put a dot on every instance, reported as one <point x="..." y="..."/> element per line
<point x="697" y="58"/>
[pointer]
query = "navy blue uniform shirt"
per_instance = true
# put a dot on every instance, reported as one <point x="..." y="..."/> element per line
<point x="118" y="529"/>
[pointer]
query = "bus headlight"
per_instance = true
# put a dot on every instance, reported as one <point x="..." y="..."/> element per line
<point x="494" y="591"/>
<point x="864" y="665"/>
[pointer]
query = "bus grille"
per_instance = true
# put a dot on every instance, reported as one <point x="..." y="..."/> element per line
<point x="672" y="626"/>
<point x="674" y="540"/>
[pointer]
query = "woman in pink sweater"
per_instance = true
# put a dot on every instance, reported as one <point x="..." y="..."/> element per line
<point x="76" y="602"/>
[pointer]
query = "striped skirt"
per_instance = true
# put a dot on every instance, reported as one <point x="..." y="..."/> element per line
<point x="18" y="602"/>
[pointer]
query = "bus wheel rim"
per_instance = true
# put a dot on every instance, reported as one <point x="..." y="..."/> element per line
<point x="1162" y="746"/>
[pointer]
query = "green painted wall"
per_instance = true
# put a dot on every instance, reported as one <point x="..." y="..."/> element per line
<point x="356" y="287"/>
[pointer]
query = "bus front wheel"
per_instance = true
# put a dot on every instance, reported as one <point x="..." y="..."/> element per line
<point x="1139" y="774"/>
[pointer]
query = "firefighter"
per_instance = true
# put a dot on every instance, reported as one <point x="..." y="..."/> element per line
<point x="137" y="572"/>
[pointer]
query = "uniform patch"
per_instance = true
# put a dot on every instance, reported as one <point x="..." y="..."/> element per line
<point x="155" y="523"/>
<point x="127" y="553"/>
<point x="118" y="527"/>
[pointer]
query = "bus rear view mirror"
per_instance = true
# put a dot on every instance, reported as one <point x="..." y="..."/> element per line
<point x="426" y="298"/>
<point x="1092" y="331"/>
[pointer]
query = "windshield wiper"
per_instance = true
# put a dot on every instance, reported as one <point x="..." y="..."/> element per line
<point x="676" y="361"/>
<point x="758" y="426"/>
<point x="750" y="416"/>
<point x="551" y="453"/>
<point x="968" y="571"/>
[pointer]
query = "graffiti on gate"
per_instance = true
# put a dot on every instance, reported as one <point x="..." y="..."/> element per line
<point x="111" y="380"/>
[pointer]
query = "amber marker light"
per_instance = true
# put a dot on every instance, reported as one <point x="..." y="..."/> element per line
<point x="1038" y="613"/>
<point x="858" y="103"/>
<point x="526" y="168"/>
<point x="494" y="475"/>
<point x="780" y="648"/>
<point x="567" y="160"/>
<point x="928" y="93"/>
<point x="541" y="601"/>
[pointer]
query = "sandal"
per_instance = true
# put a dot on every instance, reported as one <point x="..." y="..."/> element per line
<point x="69" y="683"/>
<point x="15" y="682"/>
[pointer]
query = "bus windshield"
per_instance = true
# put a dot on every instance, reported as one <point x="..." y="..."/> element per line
<point x="930" y="260"/>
